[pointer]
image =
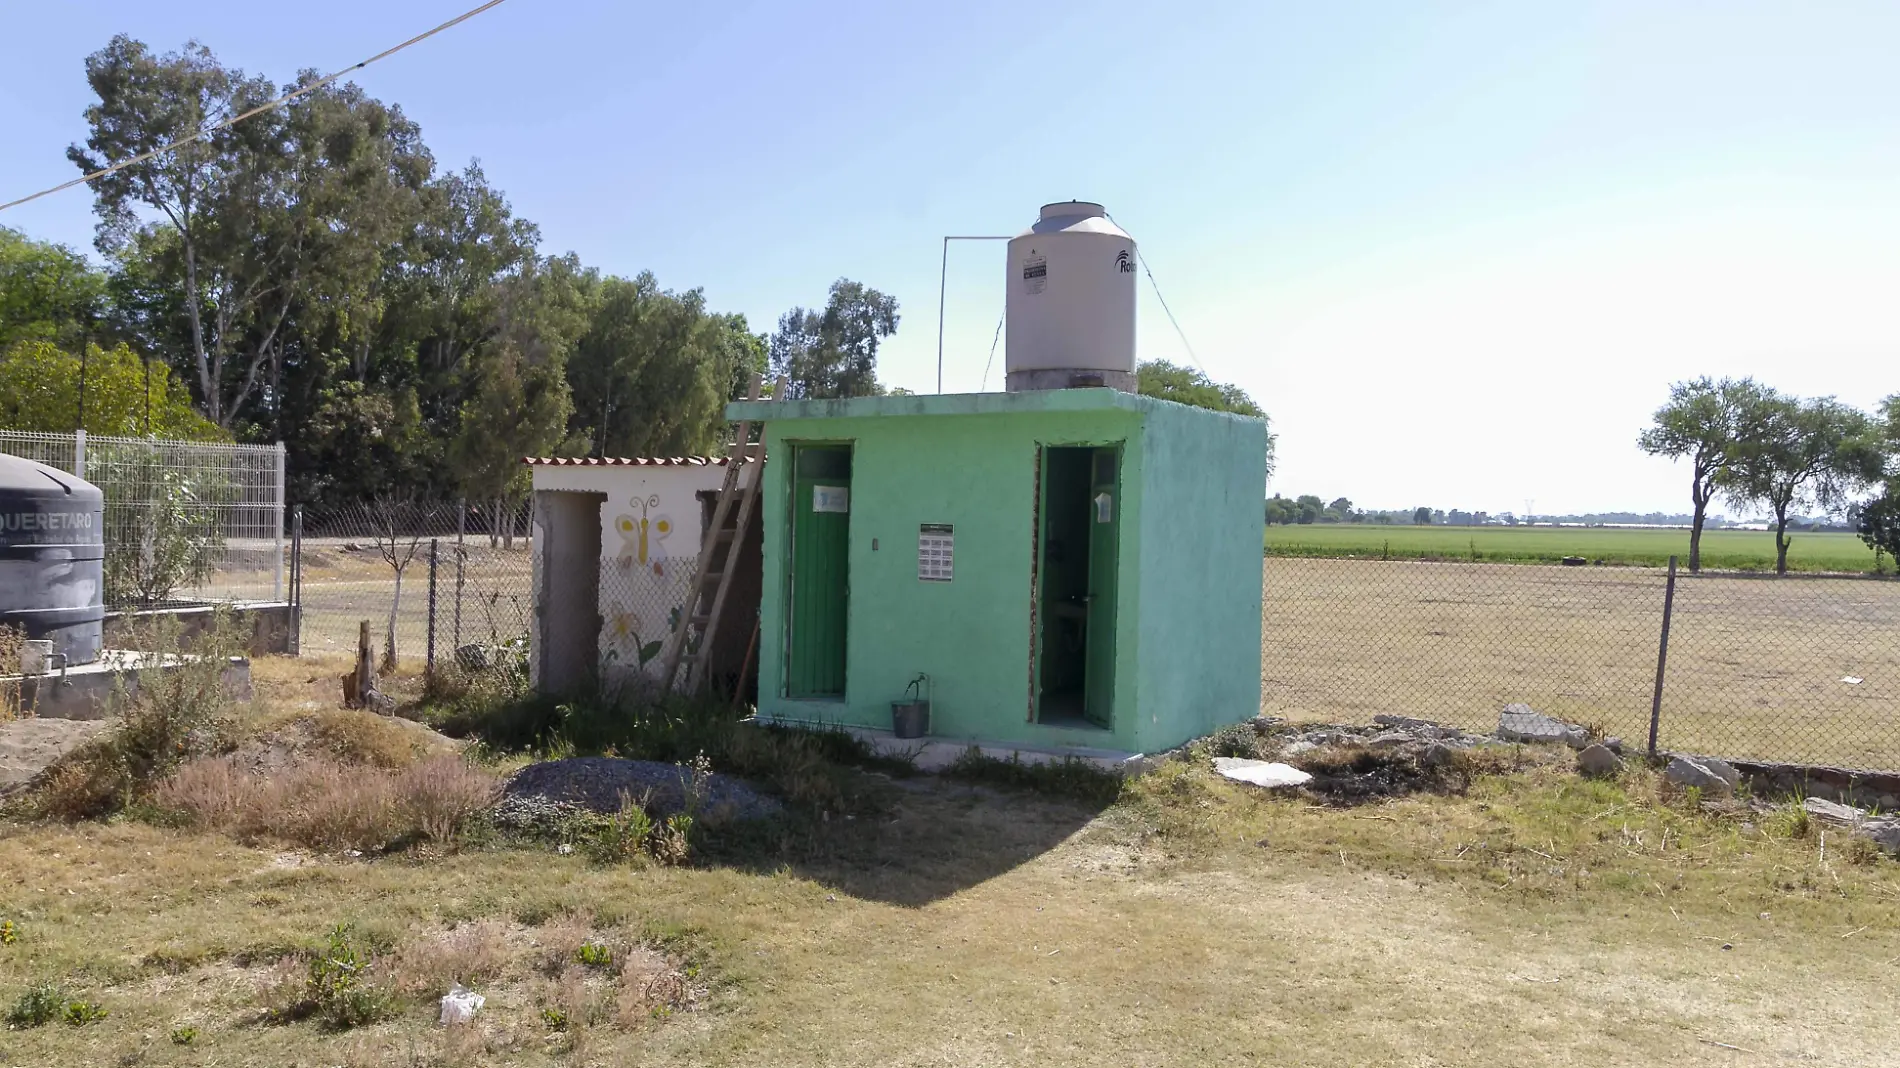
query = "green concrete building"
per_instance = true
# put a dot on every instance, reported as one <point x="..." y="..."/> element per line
<point x="1074" y="569"/>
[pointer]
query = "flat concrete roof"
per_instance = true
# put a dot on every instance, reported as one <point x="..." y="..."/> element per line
<point x="1030" y="400"/>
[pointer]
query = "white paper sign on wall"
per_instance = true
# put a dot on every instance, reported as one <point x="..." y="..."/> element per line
<point x="936" y="552"/>
<point x="831" y="498"/>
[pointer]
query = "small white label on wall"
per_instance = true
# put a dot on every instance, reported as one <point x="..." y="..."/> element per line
<point x="936" y="552"/>
<point x="831" y="498"/>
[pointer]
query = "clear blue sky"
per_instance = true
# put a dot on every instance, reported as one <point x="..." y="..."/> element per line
<point x="1457" y="250"/>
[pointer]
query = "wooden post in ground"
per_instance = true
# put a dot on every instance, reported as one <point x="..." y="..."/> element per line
<point x="360" y="680"/>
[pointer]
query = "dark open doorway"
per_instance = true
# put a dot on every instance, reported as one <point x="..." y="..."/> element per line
<point x="1080" y="511"/>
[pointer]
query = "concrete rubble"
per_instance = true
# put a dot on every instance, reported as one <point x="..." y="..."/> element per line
<point x="1395" y="754"/>
<point x="1713" y="777"/>
<point x="1261" y="772"/>
<point x="1883" y="831"/>
<point x="1521" y="723"/>
<point x="1432" y="744"/>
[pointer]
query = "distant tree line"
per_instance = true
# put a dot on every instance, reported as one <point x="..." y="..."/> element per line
<point x="1310" y="509"/>
<point x="1761" y="449"/>
<point x="313" y="275"/>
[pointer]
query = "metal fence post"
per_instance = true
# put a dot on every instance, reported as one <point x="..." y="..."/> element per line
<point x="461" y="554"/>
<point x="277" y="514"/>
<point x="1662" y="658"/>
<point x="296" y="581"/>
<point x="429" y="667"/>
<point x="79" y="453"/>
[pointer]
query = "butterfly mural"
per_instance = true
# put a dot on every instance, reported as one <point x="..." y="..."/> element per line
<point x="640" y="537"/>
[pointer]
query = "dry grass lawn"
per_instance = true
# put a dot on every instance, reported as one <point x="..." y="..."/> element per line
<point x="1538" y="920"/>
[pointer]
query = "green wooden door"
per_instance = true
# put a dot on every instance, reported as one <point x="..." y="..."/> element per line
<point x="820" y="579"/>
<point x="1104" y="526"/>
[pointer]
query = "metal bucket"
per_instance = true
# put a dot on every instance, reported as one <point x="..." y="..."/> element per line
<point x="910" y="719"/>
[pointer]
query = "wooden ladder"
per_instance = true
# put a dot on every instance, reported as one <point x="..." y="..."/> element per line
<point x="706" y="601"/>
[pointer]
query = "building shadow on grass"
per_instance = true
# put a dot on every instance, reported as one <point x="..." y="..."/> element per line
<point x="911" y="842"/>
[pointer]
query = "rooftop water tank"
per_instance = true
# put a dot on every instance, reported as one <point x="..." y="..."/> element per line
<point x="52" y="558"/>
<point x="1071" y="302"/>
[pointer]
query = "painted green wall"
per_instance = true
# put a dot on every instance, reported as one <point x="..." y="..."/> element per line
<point x="969" y="460"/>
<point x="1201" y="527"/>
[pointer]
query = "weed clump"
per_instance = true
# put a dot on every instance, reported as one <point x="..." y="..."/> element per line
<point x="325" y="805"/>
<point x="338" y="990"/>
<point x="46" y="1001"/>
<point x="174" y="711"/>
<point x="40" y="1005"/>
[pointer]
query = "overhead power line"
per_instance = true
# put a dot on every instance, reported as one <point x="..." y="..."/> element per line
<point x="261" y="108"/>
<point x="987" y="364"/>
<point x="1156" y="286"/>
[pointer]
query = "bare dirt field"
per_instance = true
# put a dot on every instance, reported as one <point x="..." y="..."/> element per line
<point x="1758" y="667"/>
<point x="343" y="586"/>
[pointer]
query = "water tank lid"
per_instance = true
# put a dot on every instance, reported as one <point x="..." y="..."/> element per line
<point x="1072" y="209"/>
<point x="21" y="475"/>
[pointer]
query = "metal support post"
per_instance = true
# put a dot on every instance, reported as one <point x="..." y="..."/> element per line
<point x="1662" y="658"/>
<point x="433" y="553"/>
<point x="461" y="554"/>
<point x="277" y="515"/>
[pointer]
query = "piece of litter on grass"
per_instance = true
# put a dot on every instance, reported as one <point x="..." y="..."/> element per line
<point x="460" y="1004"/>
<point x="1261" y="772"/>
<point x="1852" y="680"/>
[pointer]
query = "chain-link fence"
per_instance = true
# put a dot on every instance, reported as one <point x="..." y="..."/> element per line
<point x="434" y="580"/>
<point x="185" y="521"/>
<point x="640" y="604"/>
<point x="1795" y="669"/>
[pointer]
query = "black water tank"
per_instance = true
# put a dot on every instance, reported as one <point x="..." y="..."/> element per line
<point x="52" y="557"/>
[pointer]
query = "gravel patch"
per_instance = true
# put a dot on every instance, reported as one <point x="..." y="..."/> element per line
<point x="540" y="795"/>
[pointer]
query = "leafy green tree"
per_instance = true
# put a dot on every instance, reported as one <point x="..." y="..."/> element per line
<point x="48" y="292"/>
<point x="1188" y="385"/>
<point x="833" y="352"/>
<point x="124" y="396"/>
<point x="1878" y="524"/>
<point x="1310" y="508"/>
<point x="1804" y="452"/>
<point x="1707" y="423"/>
<point x="1421" y="516"/>
<point x="222" y="195"/>
<point x="520" y="401"/>
<point x="166" y="535"/>
<point x="1342" y="509"/>
<point x="1281" y="510"/>
<point x="653" y="371"/>
<point x="1878" y="520"/>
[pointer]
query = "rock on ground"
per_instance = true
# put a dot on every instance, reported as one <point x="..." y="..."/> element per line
<point x="1521" y="723"/>
<point x="546" y="791"/>
<point x="1261" y="772"/>
<point x="1883" y="831"/>
<point x="1598" y="760"/>
<point x="1703" y="772"/>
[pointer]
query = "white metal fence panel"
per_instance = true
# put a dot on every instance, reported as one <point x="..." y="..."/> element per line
<point x="185" y="520"/>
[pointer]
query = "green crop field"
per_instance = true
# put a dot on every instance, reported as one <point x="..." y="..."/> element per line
<point x="1742" y="550"/>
